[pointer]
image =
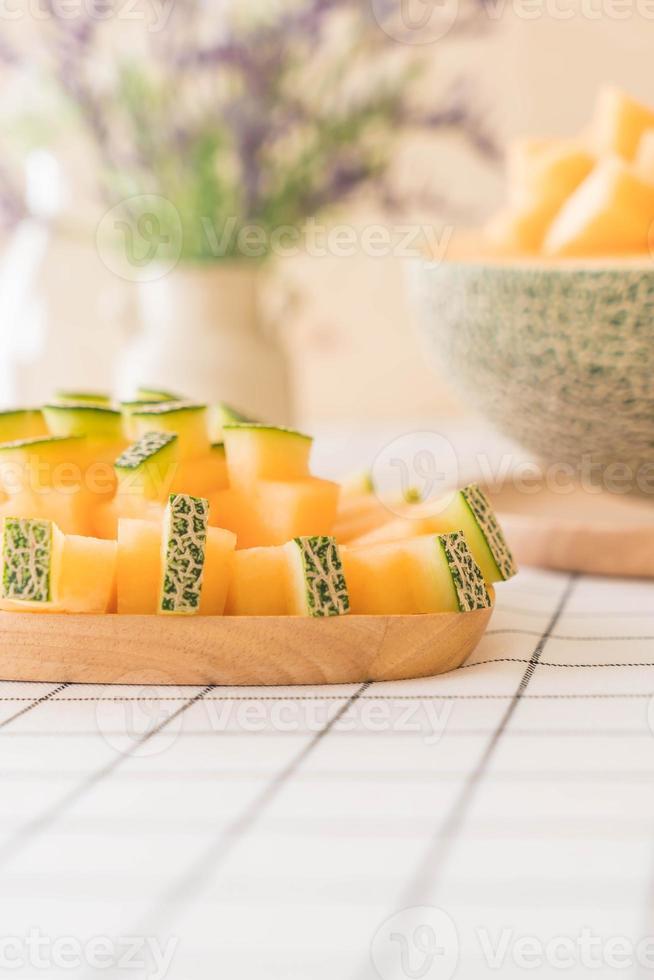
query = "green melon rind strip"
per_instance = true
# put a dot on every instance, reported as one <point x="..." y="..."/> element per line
<point x="322" y="571"/>
<point x="26" y="559"/>
<point x="167" y="408"/>
<point x="184" y="537"/>
<point x="466" y="575"/>
<point x="484" y="516"/>
<point x="144" y="450"/>
<point x="260" y="427"/>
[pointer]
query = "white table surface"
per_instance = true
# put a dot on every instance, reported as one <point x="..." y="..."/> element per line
<point x="458" y="826"/>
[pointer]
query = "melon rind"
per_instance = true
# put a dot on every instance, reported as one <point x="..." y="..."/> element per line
<point x="157" y="395"/>
<point x="82" y="397"/>
<point x="187" y="419"/>
<point x="493" y="538"/>
<point x="147" y="466"/>
<point x="84" y="419"/>
<point x="183" y="552"/>
<point x="29" y="552"/>
<point x="466" y="575"/>
<point x="22" y="423"/>
<point x="316" y="579"/>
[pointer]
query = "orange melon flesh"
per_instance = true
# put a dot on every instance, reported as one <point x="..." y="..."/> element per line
<point x="644" y="162"/>
<point x="258" y="585"/>
<point x="106" y="516"/>
<point x="139" y="568"/>
<point x="200" y="477"/>
<point x="611" y="211"/>
<point x="275" y="511"/>
<point x="403" y="577"/>
<point x="259" y="452"/>
<point x="619" y="123"/>
<point x="218" y="564"/>
<point x="71" y="511"/>
<point x="88" y="575"/>
<point x="542" y="175"/>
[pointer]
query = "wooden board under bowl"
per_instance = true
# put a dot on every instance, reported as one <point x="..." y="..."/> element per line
<point x="252" y="650"/>
<point x="596" y="533"/>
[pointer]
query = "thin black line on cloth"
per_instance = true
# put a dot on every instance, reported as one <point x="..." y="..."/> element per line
<point x="559" y="636"/>
<point x="195" y="877"/>
<point x="17" y="841"/>
<point x="433" y="862"/>
<point x="394" y="697"/>
<point x="549" y="663"/>
<point x="34" y="703"/>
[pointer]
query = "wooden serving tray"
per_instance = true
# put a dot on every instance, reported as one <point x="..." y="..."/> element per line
<point x="600" y="534"/>
<point x="252" y="650"/>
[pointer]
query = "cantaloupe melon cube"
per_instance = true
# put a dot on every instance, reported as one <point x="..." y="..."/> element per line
<point x="272" y="512"/>
<point x="139" y="568"/>
<point x="187" y="419"/>
<point x="88" y="575"/>
<point x="22" y="423"/>
<point x="467" y="510"/>
<point x="201" y="476"/>
<point x="429" y="574"/>
<point x="542" y="175"/>
<point x="104" y="521"/>
<point x="619" y="122"/>
<point x="644" y="162"/>
<point x="258" y="583"/>
<point x="263" y="452"/>
<point x="71" y="511"/>
<point x="610" y="212"/>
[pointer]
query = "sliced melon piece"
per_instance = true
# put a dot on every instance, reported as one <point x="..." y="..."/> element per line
<point x="186" y="419"/>
<point x="316" y="584"/>
<point x="32" y="553"/>
<point x="430" y="574"/>
<point x="220" y="415"/>
<point x="264" y="452"/>
<point x="295" y="509"/>
<point x="147" y="467"/>
<point x="467" y="510"/>
<point x="71" y="510"/>
<point x="97" y="422"/>
<point x="257" y="585"/>
<point x="43" y="461"/>
<point x="184" y="538"/>
<point x="610" y="212"/>
<point x="22" y="423"/>
<point x="157" y="395"/>
<point x="274" y="511"/>
<point x="139" y="568"/>
<point x="105" y="517"/>
<point x="619" y="123"/>
<point x="218" y="567"/>
<point x="88" y="575"/>
<point x="83" y="397"/>
<point x="202" y="476"/>
<point x="543" y="173"/>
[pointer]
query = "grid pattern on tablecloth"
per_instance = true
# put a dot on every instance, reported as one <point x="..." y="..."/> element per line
<point x="285" y="833"/>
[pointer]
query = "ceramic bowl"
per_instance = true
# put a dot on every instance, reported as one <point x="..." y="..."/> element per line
<point x="559" y="357"/>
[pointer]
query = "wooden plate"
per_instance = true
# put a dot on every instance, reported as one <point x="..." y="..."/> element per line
<point x="252" y="650"/>
<point x="597" y="533"/>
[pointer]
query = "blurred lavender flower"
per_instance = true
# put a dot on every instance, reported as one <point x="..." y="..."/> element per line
<point x="248" y="117"/>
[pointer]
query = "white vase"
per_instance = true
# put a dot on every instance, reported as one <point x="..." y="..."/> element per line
<point x="204" y="333"/>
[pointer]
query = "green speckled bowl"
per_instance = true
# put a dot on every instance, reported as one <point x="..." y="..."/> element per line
<point x="559" y="357"/>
